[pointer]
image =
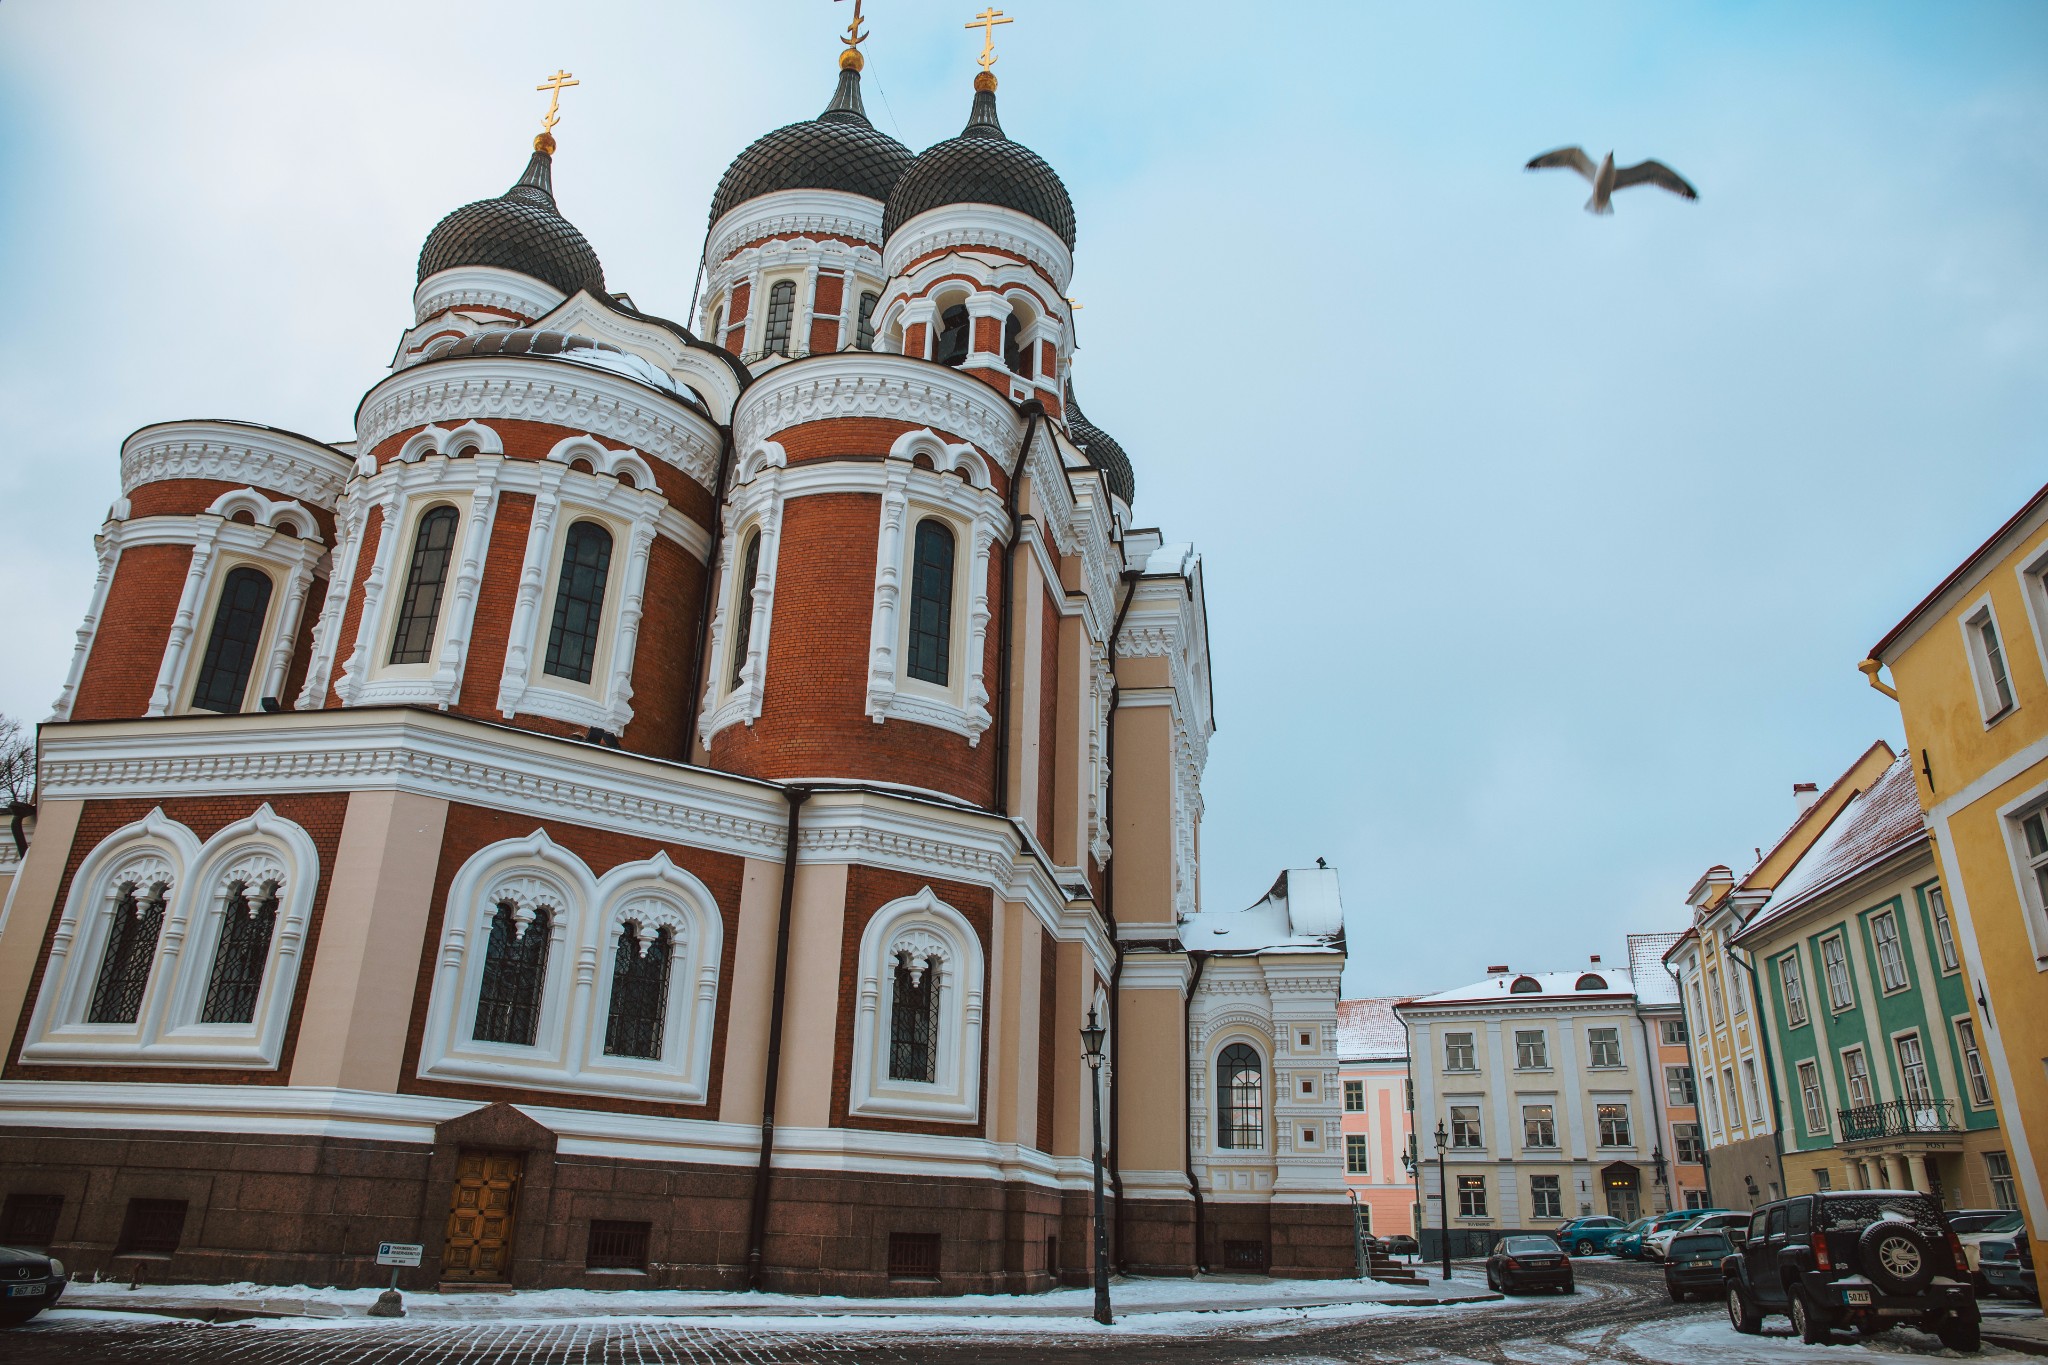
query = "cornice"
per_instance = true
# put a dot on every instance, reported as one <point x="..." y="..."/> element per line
<point x="477" y="286"/>
<point x="963" y="227"/>
<point x="232" y="453"/>
<point x="812" y="213"/>
<point x="876" y="384"/>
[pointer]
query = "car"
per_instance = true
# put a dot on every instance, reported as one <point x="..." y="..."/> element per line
<point x="29" y="1283"/>
<point x="1401" y="1244"/>
<point x="1979" y="1232"/>
<point x="1708" y="1220"/>
<point x="1584" y="1236"/>
<point x="1867" y="1259"/>
<point x="1693" y="1265"/>
<point x="1961" y="1221"/>
<point x="2006" y="1272"/>
<point x="1630" y="1244"/>
<point x="1529" y="1259"/>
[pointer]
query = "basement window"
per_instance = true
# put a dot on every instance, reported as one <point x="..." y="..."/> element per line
<point x="616" y="1245"/>
<point x="152" y="1228"/>
<point x="913" y="1255"/>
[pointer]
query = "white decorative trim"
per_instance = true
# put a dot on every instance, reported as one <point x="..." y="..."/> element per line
<point x="806" y="213"/>
<point x="962" y="227"/>
<point x="108" y="546"/>
<point x="755" y="504"/>
<point x="482" y="286"/>
<point x="874" y="384"/>
<point x="939" y="938"/>
<point x="229" y="452"/>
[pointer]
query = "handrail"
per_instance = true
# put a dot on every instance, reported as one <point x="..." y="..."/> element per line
<point x="1897" y="1118"/>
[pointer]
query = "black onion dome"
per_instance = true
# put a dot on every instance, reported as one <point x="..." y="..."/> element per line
<point x="837" y="150"/>
<point x="982" y="166"/>
<point x="1101" y="449"/>
<point x="520" y="230"/>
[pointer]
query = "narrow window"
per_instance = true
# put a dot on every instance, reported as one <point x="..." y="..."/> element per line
<point x="718" y="326"/>
<point x="1356" y="1152"/>
<point x="1991" y="660"/>
<point x="931" y="602"/>
<point x="2035" y="828"/>
<point x="420" y="608"/>
<point x="639" y="1005"/>
<point x="1472" y="1196"/>
<point x="241" y="954"/>
<point x="1465" y="1129"/>
<point x="579" y="602"/>
<point x="1614" y="1126"/>
<point x="743" y="613"/>
<point x="515" y="972"/>
<point x="864" y="322"/>
<point x="1856" y="1071"/>
<point x="1795" y="989"/>
<point x="1835" y="960"/>
<point x="1016" y="354"/>
<point x="1913" y="1076"/>
<point x="954" y="329"/>
<point x="1944" y="932"/>
<point x="1715" y="997"/>
<point x="231" y="647"/>
<point x="1891" y="961"/>
<point x="1539" y="1125"/>
<point x="131" y="951"/>
<point x="1546" y="1199"/>
<point x="781" y="313"/>
<point x="1973" y="1064"/>
<point x="914" y="1020"/>
<point x="1354" y="1097"/>
<point x="1810" y="1098"/>
<point x="1241" y="1097"/>
<point x="1756" y="1098"/>
<point x="2004" y="1192"/>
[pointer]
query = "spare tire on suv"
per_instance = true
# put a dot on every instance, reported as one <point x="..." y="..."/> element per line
<point x="1896" y="1256"/>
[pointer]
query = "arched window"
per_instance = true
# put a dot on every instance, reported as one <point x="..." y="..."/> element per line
<point x="131" y="951"/>
<point x="1591" y="981"/>
<point x="639" y="992"/>
<point x="241" y="954"/>
<point x="1016" y="354"/>
<point x="1240" y="1099"/>
<point x="515" y="970"/>
<point x="1526" y="985"/>
<point x="931" y="602"/>
<point x="579" y="602"/>
<point x="954" y="331"/>
<point x="864" y="322"/>
<point x="781" y="312"/>
<point x="914" y="1019"/>
<point x="743" y="611"/>
<point x="718" y="325"/>
<point x="231" y="648"/>
<point x="420" y="608"/>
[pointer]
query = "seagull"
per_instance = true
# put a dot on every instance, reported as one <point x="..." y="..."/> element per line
<point x="1606" y="179"/>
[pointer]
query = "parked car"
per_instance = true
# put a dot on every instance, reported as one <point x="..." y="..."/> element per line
<point x="1401" y="1244"/>
<point x="1584" y="1236"/>
<point x="1657" y="1246"/>
<point x="1867" y="1259"/>
<point x="1529" y="1260"/>
<point x="1630" y="1244"/>
<point x="1999" y="1229"/>
<point x="2006" y="1270"/>
<point x="29" y="1283"/>
<point x="1962" y="1221"/>
<point x="1694" y="1265"/>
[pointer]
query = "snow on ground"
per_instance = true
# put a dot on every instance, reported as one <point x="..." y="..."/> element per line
<point x="1711" y="1341"/>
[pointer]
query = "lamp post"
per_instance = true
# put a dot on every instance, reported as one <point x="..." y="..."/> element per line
<point x="1443" y="1194"/>
<point x="1663" y="1182"/>
<point x="1091" y="1048"/>
<point x="1409" y="1165"/>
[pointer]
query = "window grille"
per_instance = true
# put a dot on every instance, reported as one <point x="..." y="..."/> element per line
<point x="1472" y="1196"/>
<point x="131" y="951"/>
<point x="1604" y="1046"/>
<point x="1539" y="1126"/>
<point x="1354" y="1097"/>
<point x="639" y="1006"/>
<point x="1241" y="1099"/>
<point x="864" y="322"/>
<point x="231" y="647"/>
<point x="241" y="954"/>
<point x="1244" y="1255"/>
<point x="579" y="602"/>
<point x="1973" y="1064"/>
<point x="515" y="972"/>
<point x="30" y="1220"/>
<point x="954" y="331"/>
<point x="1891" y="962"/>
<point x="743" y="623"/>
<point x="931" y="602"/>
<point x="151" y="1227"/>
<point x="615" y="1245"/>
<point x="1532" y="1052"/>
<point x="1795" y="989"/>
<point x="1465" y="1129"/>
<point x="420" y="608"/>
<point x="1944" y="932"/>
<point x="1016" y="354"/>
<point x="1614" y="1126"/>
<point x="914" y="1021"/>
<point x="1357" y="1153"/>
<point x="781" y="312"/>
<point x="913" y="1255"/>
<point x="1546" y="1199"/>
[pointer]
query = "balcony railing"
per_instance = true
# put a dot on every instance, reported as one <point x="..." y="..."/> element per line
<point x="1897" y="1118"/>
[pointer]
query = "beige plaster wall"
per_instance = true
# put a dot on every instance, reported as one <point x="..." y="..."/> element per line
<point x="1142" y="836"/>
<point x="1151" y="1080"/>
<point x="32" y="900"/>
<point x="751" y="993"/>
<point x="811" y="1010"/>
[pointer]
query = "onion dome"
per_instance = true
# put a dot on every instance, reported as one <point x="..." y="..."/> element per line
<point x="1101" y="449"/>
<point x="982" y="166"/>
<point x="837" y="150"/>
<point x="520" y="230"/>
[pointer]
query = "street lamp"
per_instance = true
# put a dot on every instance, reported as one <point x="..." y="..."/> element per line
<point x="1443" y="1194"/>
<point x="1091" y="1048"/>
<point x="1657" y="1161"/>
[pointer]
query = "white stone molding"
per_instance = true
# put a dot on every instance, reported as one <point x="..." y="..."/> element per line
<point x="469" y="438"/>
<point x="230" y="452"/>
<point x="350" y="518"/>
<point x="933" y="932"/>
<point x="959" y="228"/>
<point x="790" y="214"/>
<point x="200" y="879"/>
<point x="482" y="286"/>
<point x="108" y="546"/>
<point x="626" y="465"/>
<point x="184" y="620"/>
<point x="874" y="384"/>
<point x="755" y="505"/>
<point x="700" y="368"/>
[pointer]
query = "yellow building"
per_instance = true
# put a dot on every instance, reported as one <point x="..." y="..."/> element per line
<point x="1970" y="668"/>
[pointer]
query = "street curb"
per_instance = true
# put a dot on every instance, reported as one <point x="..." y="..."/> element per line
<point x="2030" y="1346"/>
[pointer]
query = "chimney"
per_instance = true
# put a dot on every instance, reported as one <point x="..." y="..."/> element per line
<point x="1805" y="794"/>
<point x="1500" y="971"/>
<point x="1596" y="959"/>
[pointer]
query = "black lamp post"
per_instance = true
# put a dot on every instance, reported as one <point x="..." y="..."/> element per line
<point x="1091" y="1048"/>
<point x="1443" y="1194"/>
<point x="1657" y="1161"/>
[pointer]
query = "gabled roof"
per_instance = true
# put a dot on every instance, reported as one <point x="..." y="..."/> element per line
<point x="1551" y="988"/>
<point x="1796" y="840"/>
<point x="1961" y="572"/>
<point x="1368" y="1031"/>
<point x="1653" y="984"/>
<point x="1874" y="826"/>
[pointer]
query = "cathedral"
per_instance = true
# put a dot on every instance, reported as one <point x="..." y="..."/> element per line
<point x="659" y="804"/>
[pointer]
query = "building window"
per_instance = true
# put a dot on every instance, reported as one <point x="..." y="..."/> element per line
<point x="1355" y="1149"/>
<point x="1891" y="962"/>
<point x="1713" y="1104"/>
<point x="1973" y="1064"/>
<point x="1913" y="1071"/>
<point x="1603" y="1046"/>
<point x="1695" y="1199"/>
<point x="152" y="1227"/>
<point x="615" y="1245"/>
<point x="515" y="970"/>
<point x="1241" y="1090"/>
<point x="231" y="647"/>
<point x="2035" y="828"/>
<point x="1472" y="1196"/>
<point x="131" y="951"/>
<point x="1614" y="1128"/>
<point x="1532" y="1053"/>
<point x="1678" y="1086"/>
<point x="914" y="1020"/>
<point x="1539" y="1126"/>
<point x="1685" y="1140"/>
<point x="781" y="313"/>
<point x="1834" y="959"/>
<point x="955" y="329"/>
<point x="1699" y="1011"/>
<point x="1715" y="997"/>
<point x="243" y="950"/>
<point x="1810" y="1098"/>
<point x="1756" y="1096"/>
<point x="579" y="602"/>
<point x="1674" y="1034"/>
<point x="864" y="322"/>
<point x="1856" y="1072"/>
<point x="1016" y="354"/>
<point x="743" y="614"/>
<point x="1823" y="1179"/>
<point x="1944" y="932"/>
<point x="1354" y="1097"/>
<point x="2004" y="1193"/>
<point x="1465" y="1130"/>
<point x="931" y="602"/>
<point x="1458" y="1052"/>
<point x="30" y="1220"/>
<point x="1734" y="1099"/>
<point x="1546" y="1200"/>
<point x="1740" y="998"/>
<point x="913" y="1255"/>
<point x="1994" y="685"/>
<point x="1794" y="983"/>
<point x="639" y="1005"/>
<point x="420" y="608"/>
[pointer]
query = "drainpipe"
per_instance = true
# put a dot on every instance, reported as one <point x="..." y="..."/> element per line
<point x="1033" y="410"/>
<point x="757" y="1225"/>
<point x="704" y="603"/>
<point x="1414" y="1150"/>
<point x="1116" y="965"/>
<point x="1699" y="1082"/>
<point x="1653" y="1068"/>
<point x="1870" y="668"/>
<point x="1187" y="1048"/>
<point x="17" y="813"/>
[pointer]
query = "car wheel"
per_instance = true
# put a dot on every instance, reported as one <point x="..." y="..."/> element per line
<point x="1570" y="1287"/>
<point x="14" y="1317"/>
<point x="1808" y="1320"/>
<point x="1491" y="1282"/>
<point x="1742" y="1314"/>
<point x="1583" y="1247"/>
<point x="1961" y="1334"/>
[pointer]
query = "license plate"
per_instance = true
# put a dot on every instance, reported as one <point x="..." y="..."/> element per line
<point x="24" y="1290"/>
<point x="1856" y="1296"/>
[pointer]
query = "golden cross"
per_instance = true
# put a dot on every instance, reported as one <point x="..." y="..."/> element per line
<point x="555" y="85"/>
<point x="854" y="37"/>
<point x="986" y="21"/>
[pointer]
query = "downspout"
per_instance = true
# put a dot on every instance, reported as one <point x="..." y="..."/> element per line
<point x="17" y="812"/>
<point x="1033" y="411"/>
<point x="1414" y="1148"/>
<point x="1653" y="1066"/>
<point x="1116" y="947"/>
<point x="757" y="1224"/>
<point x="1187" y="1048"/>
<point x="1699" y="1081"/>
<point x="704" y="611"/>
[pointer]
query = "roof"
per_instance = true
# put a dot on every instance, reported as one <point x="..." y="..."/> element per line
<point x="520" y="230"/>
<point x="1874" y="825"/>
<point x="982" y="166"/>
<point x="1960" y="572"/>
<point x="1368" y="1031"/>
<point x="1653" y="984"/>
<point x="1101" y="449"/>
<point x="1552" y="987"/>
<point x="1301" y="911"/>
<point x="837" y="150"/>
<point x="1821" y="810"/>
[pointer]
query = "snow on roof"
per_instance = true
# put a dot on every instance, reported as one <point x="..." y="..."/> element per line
<point x="1872" y="826"/>
<point x="1177" y="558"/>
<point x="1499" y="987"/>
<point x="1302" y="911"/>
<point x="1653" y="984"/>
<point x="1367" y="1030"/>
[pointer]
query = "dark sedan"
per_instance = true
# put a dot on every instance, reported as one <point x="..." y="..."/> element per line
<point x="29" y="1283"/>
<point x="1694" y="1265"/>
<point x="1528" y="1262"/>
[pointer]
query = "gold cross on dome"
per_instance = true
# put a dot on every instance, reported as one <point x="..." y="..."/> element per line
<point x="854" y="37"/>
<point x="555" y="84"/>
<point x="986" y="21"/>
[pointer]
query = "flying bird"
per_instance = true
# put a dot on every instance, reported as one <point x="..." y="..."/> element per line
<point x="1606" y="178"/>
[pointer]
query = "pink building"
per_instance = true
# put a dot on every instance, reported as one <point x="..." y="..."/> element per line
<point x="1372" y="1063"/>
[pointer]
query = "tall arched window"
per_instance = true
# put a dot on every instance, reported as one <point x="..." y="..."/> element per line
<point x="781" y="312"/>
<point x="579" y="602"/>
<point x="718" y="325"/>
<point x="231" y="648"/>
<point x="241" y="954"/>
<point x="914" y="1019"/>
<point x="420" y="608"/>
<point x="639" y="993"/>
<point x="515" y="970"/>
<point x="864" y="322"/>
<point x="955" y="328"/>
<point x="1016" y="354"/>
<point x="931" y="602"/>
<point x="743" y="609"/>
<point x="131" y="951"/>
<point x="1240" y="1099"/>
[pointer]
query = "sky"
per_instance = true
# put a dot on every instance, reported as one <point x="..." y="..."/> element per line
<point x="1540" y="548"/>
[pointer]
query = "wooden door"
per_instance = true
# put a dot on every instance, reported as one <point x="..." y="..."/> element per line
<point x="479" y="1244"/>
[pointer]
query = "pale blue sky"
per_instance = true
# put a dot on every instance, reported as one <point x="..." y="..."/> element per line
<point x="1541" y="548"/>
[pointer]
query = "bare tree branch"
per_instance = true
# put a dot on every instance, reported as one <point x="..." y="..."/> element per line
<point x="17" y="762"/>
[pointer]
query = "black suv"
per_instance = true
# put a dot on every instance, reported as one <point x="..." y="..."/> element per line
<point x="1867" y="1259"/>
